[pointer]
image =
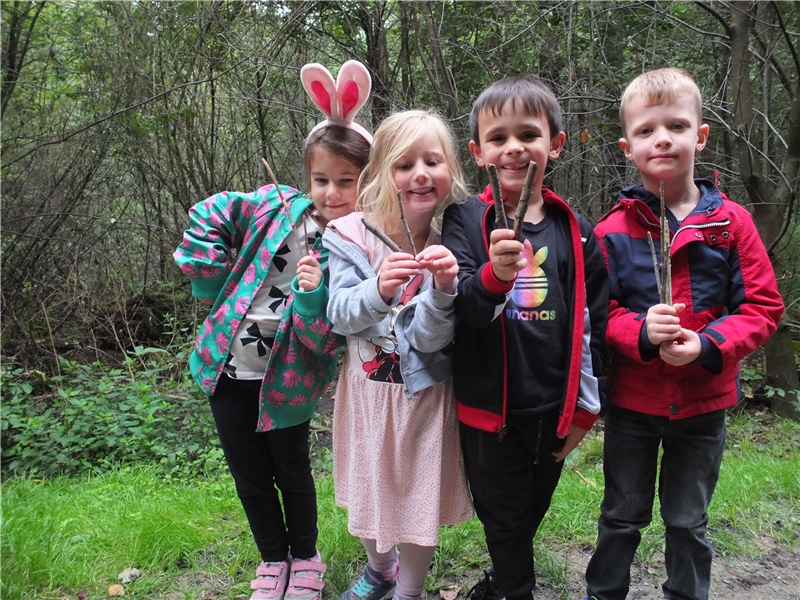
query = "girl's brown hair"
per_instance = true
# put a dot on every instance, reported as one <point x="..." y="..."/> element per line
<point x="337" y="140"/>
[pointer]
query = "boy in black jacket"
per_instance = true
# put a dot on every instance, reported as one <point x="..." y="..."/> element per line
<point x="530" y="340"/>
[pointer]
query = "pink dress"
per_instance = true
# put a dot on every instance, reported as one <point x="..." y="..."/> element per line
<point x="397" y="463"/>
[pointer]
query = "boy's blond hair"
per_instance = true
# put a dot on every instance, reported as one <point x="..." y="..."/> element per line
<point x="661" y="85"/>
<point x="377" y="197"/>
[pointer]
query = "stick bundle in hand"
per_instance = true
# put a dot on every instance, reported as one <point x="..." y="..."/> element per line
<point x="405" y="223"/>
<point x="666" y="248"/>
<point x="497" y="195"/>
<point x="524" y="200"/>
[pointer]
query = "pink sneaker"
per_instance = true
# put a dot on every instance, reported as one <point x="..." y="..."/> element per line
<point x="270" y="581"/>
<point x="307" y="579"/>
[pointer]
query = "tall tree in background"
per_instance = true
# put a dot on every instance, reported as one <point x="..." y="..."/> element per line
<point x="768" y="162"/>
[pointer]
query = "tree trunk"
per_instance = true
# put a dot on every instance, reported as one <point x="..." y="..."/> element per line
<point x="770" y="203"/>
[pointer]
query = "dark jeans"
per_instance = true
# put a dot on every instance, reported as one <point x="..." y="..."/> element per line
<point x="689" y="471"/>
<point x="261" y="461"/>
<point x="512" y="482"/>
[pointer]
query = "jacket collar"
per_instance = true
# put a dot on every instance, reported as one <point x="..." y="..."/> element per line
<point x="710" y="197"/>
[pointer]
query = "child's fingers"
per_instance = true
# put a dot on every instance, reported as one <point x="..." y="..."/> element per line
<point x="308" y="259"/>
<point x="501" y="234"/>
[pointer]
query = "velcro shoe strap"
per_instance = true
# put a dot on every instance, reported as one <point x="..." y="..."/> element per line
<point x="266" y="570"/>
<point x="306" y="582"/>
<point x="263" y="583"/>
<point x="308" y="565"/>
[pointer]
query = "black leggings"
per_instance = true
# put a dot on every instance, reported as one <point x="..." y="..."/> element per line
<point x="260" y="463"/>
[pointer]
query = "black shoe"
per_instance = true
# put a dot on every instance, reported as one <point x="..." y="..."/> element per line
<point x="486" y="588"/>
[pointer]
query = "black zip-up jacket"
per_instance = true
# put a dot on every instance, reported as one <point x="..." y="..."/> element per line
<point x="481" y="362"/>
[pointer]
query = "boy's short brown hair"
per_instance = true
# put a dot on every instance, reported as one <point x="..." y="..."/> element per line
<point x="530" y="93"/>
<point x="661" y="85"/>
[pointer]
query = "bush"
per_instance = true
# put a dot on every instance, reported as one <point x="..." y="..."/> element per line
<point x="91" y="417"/>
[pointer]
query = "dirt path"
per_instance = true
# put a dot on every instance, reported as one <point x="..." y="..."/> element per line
<point x="774" y="577"/>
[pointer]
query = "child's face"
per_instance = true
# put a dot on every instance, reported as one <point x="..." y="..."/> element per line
<point x="662" y="139"/>
<point x="510" y="141"/>
<point x="333" y="185"/>
<point x="422" y="175"/>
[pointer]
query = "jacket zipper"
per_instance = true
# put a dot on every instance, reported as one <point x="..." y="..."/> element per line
<point x="681" y="228"/>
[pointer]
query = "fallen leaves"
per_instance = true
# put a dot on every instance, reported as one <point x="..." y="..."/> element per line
<point x="449" y="593"/>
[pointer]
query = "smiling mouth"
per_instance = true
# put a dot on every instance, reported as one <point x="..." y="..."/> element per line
<point x="422" y="191"/>
<point x="522" y="166"/>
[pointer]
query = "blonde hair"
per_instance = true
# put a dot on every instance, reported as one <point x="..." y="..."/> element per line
<point x="661" y="85"/>
<point x="377" y="197"/>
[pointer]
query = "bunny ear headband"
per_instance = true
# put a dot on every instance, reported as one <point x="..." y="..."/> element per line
<point x="338" y="100"/>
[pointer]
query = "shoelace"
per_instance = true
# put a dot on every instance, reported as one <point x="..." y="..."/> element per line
<point x="485" y="589"/>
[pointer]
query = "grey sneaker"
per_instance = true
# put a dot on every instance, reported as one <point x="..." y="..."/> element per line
<point x="306" y="579"/>
<point x="370" y="586"/>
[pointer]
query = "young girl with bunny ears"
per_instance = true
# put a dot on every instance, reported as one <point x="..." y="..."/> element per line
<point x="396" y="458"/>
<point x="266" y="352"/>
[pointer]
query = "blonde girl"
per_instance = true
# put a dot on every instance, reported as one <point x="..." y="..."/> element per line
<point x="397" y="463"/>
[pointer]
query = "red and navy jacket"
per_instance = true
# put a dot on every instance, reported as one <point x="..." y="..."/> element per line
<point x="482" y="365"/>
<point x="720" y="270"/>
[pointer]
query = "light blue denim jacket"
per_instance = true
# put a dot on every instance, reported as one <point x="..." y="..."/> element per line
<point x="424" y="328"/>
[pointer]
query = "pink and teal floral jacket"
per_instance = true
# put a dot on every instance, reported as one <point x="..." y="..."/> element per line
<point x="304" y="354"/>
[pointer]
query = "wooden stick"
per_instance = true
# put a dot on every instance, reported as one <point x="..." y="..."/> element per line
<point x="524" y="200"/>
<point x="381" y="235"/>
<point x="500" y="221"/>
<point x="271" y="175"/>
<point x="666" y="245"/>
<point x="405" y="223"/>
<point x="655" y="263"/>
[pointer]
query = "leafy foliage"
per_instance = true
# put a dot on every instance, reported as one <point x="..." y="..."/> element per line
<point x="92" y="417"/>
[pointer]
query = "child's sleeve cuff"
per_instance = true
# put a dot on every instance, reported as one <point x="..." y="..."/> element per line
<point x="584" y="419"/>
<point x="208" y="288"/>
<point x="494" y="285"/>
<point x="310" y="302"/>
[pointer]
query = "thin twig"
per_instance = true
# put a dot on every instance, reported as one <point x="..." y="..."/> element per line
<point x="405" y="223"/>
<point x="500" y="221"/>
<point x="655" y="263"/>
<point x="666" y="244"/>
<point x="381" y="235"/>
<point x="271" y="175"/>
<point x="524" y="200"/>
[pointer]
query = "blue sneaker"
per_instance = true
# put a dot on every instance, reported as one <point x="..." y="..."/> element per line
<point x="370" y="586"/>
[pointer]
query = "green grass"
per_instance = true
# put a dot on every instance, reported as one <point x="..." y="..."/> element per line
<point x="67" y="535"/>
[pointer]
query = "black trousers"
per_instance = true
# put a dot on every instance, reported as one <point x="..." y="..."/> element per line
<point x="263" y="463"/>
<point x="512" y="483"/>
<point x="685" y="480"/>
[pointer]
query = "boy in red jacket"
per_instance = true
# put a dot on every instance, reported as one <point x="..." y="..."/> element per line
<point x="673" y="367"/>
